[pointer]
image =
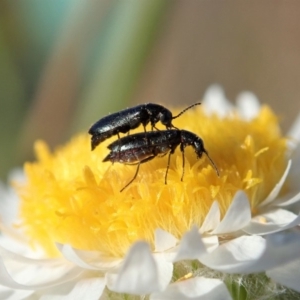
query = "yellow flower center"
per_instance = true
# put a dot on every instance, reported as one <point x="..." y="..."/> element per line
<point x="72" y="197"/>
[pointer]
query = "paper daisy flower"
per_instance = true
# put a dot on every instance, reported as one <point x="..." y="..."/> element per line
<point x="70" y="233"/>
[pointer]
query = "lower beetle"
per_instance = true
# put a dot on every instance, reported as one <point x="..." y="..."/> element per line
<point x="131" y="118"/>
<point x="139" y="148"/>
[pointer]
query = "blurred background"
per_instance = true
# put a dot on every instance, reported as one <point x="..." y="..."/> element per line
<point x="66" y="63"/>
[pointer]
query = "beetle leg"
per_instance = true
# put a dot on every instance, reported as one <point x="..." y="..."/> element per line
<point x="172" y="126"/>
<point x="183" y="160"/>
<point x="136" y="172"/>
<point x="119" y="142"/>
<point x="168" y="166"/>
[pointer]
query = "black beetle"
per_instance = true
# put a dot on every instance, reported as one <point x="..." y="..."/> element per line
<point x="139" y="148"/>
<point x="131" y="118"/>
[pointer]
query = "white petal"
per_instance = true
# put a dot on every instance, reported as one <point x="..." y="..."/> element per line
<point x="165" y="271"/>
<point x="83" y="289"/>
<point x="274" y="193"/>
<point x="16" y="257"/>
<point x="211" y="242"/>
<point x="164" y="240"/>
<point x="294" y="174"/>
<point x="235" y="255"/>
<point x="237" y="216"/>
<point x="250" y="254"/>
<point x="9" y="205"/>
<point x="9" y="294"/>
<point x="139" y="273"/>
<point x="90" y="260"/>
<point x="248" y="105"/>
<point x="216" y="102"/>
<point x="288" y="199"/>
<point x="18" y="245"/>
<point x="17" y="175"/>
<point x="273" y="221"/>
<point x="196" y="288"/>
<point x="37" y="276"/>
<point x="191" y="246"/>
<point x="281" y="248"/>
<point x="71" y="255"/>
<point x="212" y="219"/>
<point x="287" y="275"/>
<point x="9" y="200"/>
<point x="294" y="133"/>
<point x="56" y="292"/>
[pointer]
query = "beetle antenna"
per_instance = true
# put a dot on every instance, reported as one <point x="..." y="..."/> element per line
<point x="198" y="103"/>
<point x="213" y="164"/>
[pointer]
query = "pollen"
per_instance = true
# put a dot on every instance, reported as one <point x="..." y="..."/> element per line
<point x="72" y="197"/>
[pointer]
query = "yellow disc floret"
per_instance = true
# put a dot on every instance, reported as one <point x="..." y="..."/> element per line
<point x="72" y="197"/>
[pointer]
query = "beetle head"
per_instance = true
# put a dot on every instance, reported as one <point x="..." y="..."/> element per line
<point x="165" y="117"/>
<point x="199" y="147"/>
<point x="189" y="138"/>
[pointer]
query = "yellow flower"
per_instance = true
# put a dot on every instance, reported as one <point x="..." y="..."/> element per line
<point x="72" y="197"/>
<point x="192" y="232"/>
